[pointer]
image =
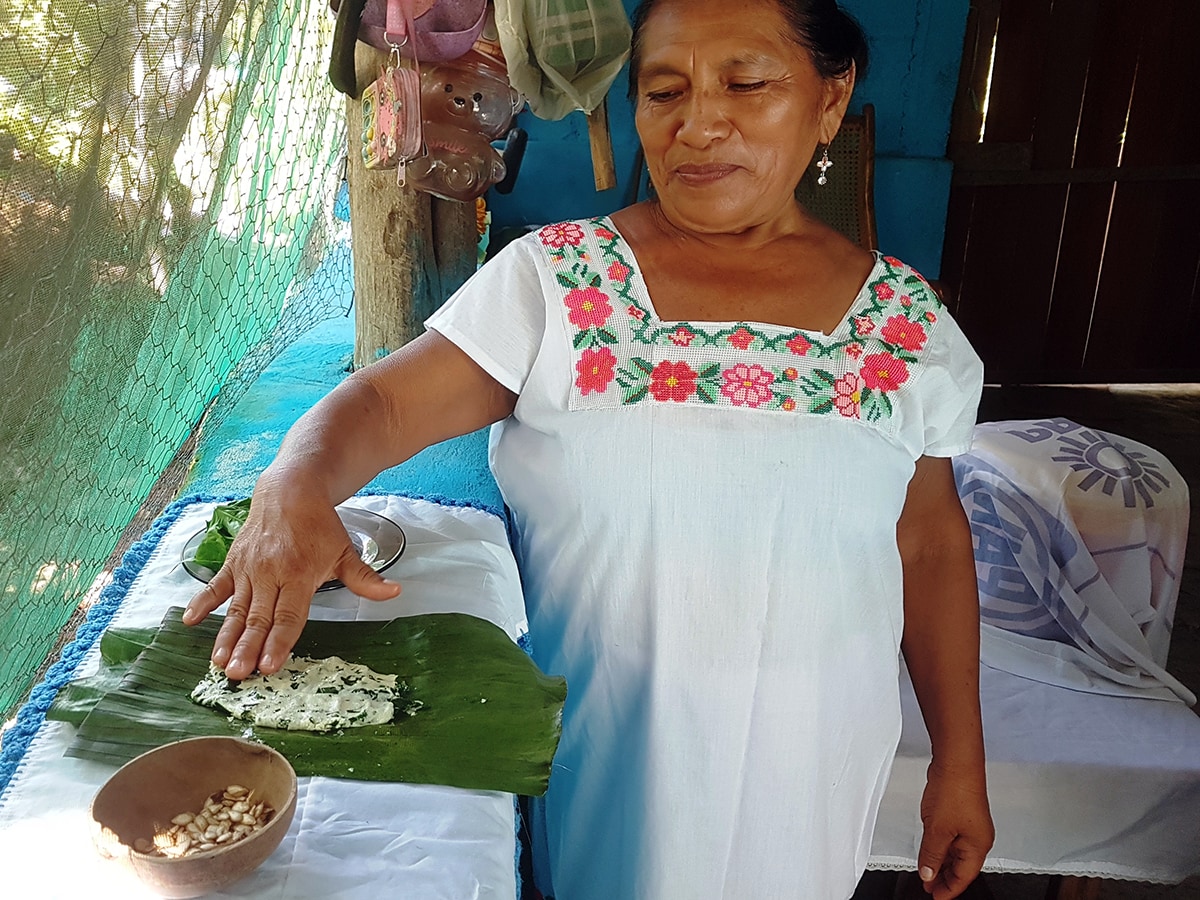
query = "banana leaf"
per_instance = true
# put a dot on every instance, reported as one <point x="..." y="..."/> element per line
<point x="490" y="719"/>
<point x="119" y="647"/>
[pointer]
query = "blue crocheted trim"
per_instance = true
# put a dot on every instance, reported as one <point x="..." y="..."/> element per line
<point x="33" y="713"/>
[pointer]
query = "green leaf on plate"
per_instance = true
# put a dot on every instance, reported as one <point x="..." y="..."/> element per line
<point x="226" y="521"/>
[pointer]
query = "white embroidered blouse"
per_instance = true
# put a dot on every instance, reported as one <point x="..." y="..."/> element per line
<point x="705" y="519"/>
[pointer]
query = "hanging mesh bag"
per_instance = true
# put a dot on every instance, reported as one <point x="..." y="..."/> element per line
<point x="563" y="54"/>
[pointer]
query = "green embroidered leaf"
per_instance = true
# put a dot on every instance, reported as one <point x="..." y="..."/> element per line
<point x="821" y="405"/>
<point x="605" y="336"/>
<point x="596" y="280"/>
<point x="825" y="377"/>
<point x="875" y="405"/>
<point x="642" y="364"/>
<point x="712" y="371"/>
<point x="886" y="402"/>
<point x="637" y="394"/>
<point x="566" y="280"/>
<point x="706" y="392"/>
<point x="583" y="339"/>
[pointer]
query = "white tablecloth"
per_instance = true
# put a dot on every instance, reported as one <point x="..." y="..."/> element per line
<point x="349" y="839"/>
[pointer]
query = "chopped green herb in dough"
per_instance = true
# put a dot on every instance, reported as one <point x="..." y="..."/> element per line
<point x="309" y="695"/>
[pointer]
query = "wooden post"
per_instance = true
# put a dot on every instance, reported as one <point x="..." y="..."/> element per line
<point x="411" y="250"/>
<point x="604" y="171"/>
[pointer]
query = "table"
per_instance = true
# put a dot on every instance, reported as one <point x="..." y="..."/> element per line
<point x="1093" y="754"/>
<point x="347" y="837"/>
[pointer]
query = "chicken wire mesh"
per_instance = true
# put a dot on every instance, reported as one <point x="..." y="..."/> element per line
<point x="168" y="172"/>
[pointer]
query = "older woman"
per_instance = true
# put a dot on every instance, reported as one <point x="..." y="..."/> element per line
<point x="724" y="434"/>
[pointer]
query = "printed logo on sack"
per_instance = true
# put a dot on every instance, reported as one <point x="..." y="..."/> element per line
<point x="1107" y="462"/>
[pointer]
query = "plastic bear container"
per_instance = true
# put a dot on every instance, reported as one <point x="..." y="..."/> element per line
<point x="465" y="105"/>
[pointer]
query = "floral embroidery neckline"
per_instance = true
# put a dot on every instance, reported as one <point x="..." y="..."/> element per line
<point x="625" y="354"/>
<point x="647" y="301"/>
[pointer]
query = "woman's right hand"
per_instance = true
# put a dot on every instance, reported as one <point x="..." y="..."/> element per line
<point x="291" y="543"/>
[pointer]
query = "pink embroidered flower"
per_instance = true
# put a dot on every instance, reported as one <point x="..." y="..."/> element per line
<point x="672" y="381"/>
<point x="903" y="333"/>
<point x="682" y="336"/>
<point x="790" y="374"/>
<point x="864" y="325"/>
<point x="883" y="372"/>
<point x="854" y="351"/>
<point x="847" y="394"/>
<point x="930" y="316"/>
<point x="905" y="301"/>
<point x="595" y="368"/>
<point x="799" y="345"/>
<point x="635" y="312"/>
<point x="618" y="271"/>
<point x="589" y="307"/>
<point x="604" y="233"/>
<point x="742" y="338"/>
<point x="561" y="234"/>
<point x="747" y="385"/>
<point x="893" y="262"/>
<point x="884" y="291"/>
<point x="788" y="405"/>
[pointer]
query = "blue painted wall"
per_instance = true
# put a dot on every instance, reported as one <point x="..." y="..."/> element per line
<point x="916" y="46"/>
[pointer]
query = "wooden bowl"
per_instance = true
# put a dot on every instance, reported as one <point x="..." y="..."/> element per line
<point x="140" y="800"/>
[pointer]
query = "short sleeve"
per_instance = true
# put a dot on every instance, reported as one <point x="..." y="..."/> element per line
<point x="950" y="389"/>
<point x="498" y="317"/>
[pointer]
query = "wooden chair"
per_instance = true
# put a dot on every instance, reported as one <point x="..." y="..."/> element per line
<point x="847" y="201"/>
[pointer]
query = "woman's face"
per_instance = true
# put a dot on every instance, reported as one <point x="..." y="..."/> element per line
<point x="729" y="111"/>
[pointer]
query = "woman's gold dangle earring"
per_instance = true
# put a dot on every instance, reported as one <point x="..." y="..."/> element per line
<point x="823" y="164"/>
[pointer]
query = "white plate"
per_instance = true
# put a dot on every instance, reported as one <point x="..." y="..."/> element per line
<point x="378" y="540"/>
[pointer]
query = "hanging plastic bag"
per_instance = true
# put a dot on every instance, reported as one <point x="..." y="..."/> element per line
<point x="563" y="55"/>
<point x="442" y="30"/>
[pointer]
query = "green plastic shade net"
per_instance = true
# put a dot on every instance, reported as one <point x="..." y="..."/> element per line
<point x="490" y="719"/>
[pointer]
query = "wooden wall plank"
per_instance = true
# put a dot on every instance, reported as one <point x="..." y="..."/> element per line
<point x="1070" y="44"/>
<point x="1047" y="285"/>
<point x="1110" y="84"/>
<point x="1147" y="283"/>
<point x="1076" y="275"/>
<point x="958" y="223"/>
<point x="1007" y="273"/>
<point x="967" y="114"/>
<point x="1017" y="73"/>
<point x="1161" y="125"/>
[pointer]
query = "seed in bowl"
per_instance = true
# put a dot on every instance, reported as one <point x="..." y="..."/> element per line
<point x="227" y="817"/>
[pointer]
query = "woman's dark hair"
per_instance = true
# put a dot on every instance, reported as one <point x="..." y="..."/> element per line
<point x="834" y="40"/>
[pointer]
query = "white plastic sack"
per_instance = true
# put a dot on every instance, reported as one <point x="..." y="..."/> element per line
<point x="563" y="54"/>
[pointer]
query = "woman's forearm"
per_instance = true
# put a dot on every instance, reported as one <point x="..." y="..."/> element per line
<point x="941" y="615"/>
<point x="941" y="650"/>
<point x="382" y="415"/>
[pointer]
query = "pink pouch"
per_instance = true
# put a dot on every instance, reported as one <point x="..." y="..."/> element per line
<point x="442" y="29"/>
<point x="391" y="113"/>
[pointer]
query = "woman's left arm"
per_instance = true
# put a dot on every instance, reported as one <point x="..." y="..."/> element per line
<point x="941" y="649"/>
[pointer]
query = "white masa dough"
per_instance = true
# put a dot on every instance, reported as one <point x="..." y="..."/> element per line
<point x="307" y="695"/>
